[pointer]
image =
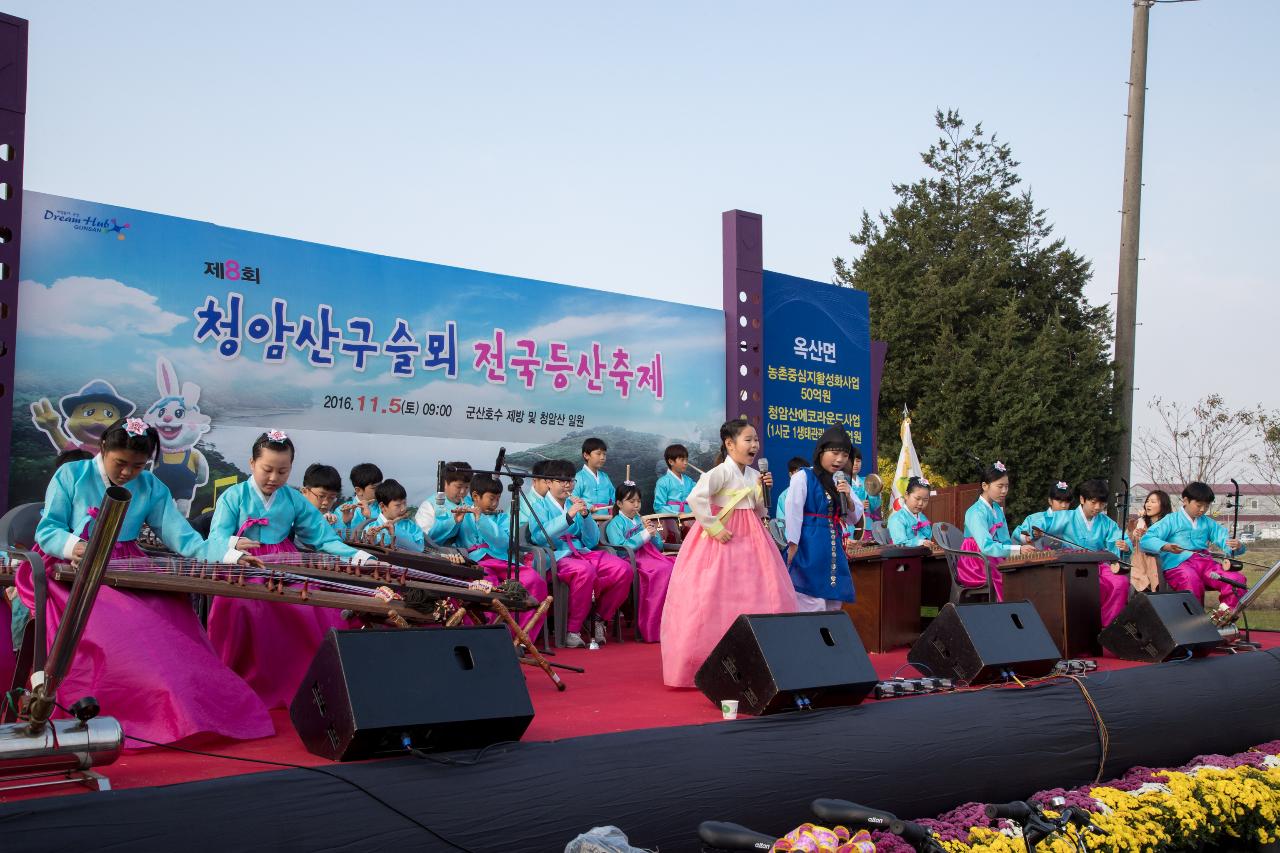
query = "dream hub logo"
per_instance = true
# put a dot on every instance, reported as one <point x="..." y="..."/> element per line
<point x="88" y="223"/>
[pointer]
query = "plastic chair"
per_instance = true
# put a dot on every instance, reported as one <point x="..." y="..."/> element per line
<point x="880" y="533"/>
<point x="17" y="536"/>
<point x="950" y="539"/>
<point x="202" y="523"/>
<point x="778" y="530"/>
<point x="544" y="563"/>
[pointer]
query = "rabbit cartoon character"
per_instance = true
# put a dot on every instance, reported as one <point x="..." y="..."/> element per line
<point x="176" y="416"/>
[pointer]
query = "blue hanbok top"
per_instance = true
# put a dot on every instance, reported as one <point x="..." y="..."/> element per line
<point x="671" y="493"/>
<point x="907" y="528"/>
<point x="582" y="534"/>
<point x="78" y="487"/>
<point x="485" y="535"/>
<point x="438" y="524"/>
<point x="243" y="510"/>
<point x="1177" y="528"/>
<point x="985" y="524"/>
<point x="1101" y="533"/>
<point x="630" y="532"/>
<point x="596" y="489"/>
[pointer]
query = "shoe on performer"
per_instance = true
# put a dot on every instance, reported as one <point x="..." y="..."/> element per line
<point x="598" y="631"/>
<point x="574" y="641"/>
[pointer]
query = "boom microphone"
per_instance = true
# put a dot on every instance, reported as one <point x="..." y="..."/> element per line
<point x="1218" y="576"/>
<point x="502" y="457"/>
<point x="440" y="488"/>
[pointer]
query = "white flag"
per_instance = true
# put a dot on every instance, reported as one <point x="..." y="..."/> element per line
<point x="908" y="464"/>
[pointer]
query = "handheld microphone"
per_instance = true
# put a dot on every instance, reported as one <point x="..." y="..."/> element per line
<point x="841" y="477"/>
<point x="763" y="465"/>
<point x="1218" y="576"/>
<point x="502" y="457"/>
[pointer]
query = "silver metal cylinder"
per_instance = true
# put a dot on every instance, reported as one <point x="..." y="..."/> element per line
<point x="79" y="746"/>
<point x="84" y="591"/>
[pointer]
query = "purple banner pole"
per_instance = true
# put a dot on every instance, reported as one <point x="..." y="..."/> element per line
<point x="743" y="315"/>
<point x="13" y="119"/>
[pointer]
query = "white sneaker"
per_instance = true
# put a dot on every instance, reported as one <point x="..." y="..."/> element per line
<point x="598" y="631"/>
<point x="574" y="641"/>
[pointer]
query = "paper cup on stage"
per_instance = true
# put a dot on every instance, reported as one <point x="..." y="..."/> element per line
<point x="729" y="707"/>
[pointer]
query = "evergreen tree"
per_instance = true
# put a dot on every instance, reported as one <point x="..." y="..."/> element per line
<point x="992" y="344"/>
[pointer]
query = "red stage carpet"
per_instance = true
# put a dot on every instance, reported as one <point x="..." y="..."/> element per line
<point x="621" y="690"/>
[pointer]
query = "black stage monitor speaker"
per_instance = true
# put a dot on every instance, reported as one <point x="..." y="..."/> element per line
<point x="1157" y="626"/>
<point x="974" y="643"/>
<point x="460" y="688"/>
<point x="779" y="662"/>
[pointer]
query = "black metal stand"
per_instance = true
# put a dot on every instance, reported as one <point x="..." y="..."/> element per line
<point x="518" y="498"/>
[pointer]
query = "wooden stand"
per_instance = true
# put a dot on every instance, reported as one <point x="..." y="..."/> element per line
<point x="1067" y="598"/>
<point x="887" y="611"/>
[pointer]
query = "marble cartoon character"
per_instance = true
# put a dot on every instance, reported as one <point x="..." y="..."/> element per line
<point x="84" y="416"/>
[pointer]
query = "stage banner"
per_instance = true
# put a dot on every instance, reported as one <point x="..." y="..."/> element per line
<point x="214" y="334"/>
<point x="817" y="367"/>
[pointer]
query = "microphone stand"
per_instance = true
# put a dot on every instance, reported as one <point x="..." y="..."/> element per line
<point x="518" y="497"/>
<point x="1235" y="509"/>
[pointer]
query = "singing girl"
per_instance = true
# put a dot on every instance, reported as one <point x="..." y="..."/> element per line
<point x="1145" y="575"/>
<point x="728" y="564"/>
<point x="143" y="655"/>
<point x="815" y="526"/>
<point x="270" y="644"/>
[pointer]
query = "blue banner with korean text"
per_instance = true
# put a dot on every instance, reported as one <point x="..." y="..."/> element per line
<point x="214" y="334"/>
<point x="817" y="367"/>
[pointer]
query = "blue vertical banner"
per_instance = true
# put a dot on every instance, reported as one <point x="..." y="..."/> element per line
<point x="817" y="367"/>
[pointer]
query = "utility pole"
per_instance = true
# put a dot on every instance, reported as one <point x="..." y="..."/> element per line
<point x="1131" y="216"/>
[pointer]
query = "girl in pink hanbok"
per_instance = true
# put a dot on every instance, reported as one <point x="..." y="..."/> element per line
<point x="728" y="564"/>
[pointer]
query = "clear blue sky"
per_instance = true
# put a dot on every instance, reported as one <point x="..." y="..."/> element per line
<point x="597" y="143"/>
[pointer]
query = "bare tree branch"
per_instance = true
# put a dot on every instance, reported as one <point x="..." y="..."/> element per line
<point x="1266" y="458"/>
<point x="1205" y="440"/>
